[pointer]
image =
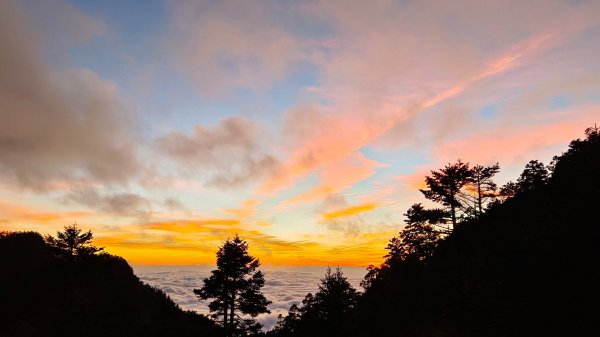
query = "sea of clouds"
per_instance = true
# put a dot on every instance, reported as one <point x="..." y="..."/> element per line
<point x="284" y="286"/>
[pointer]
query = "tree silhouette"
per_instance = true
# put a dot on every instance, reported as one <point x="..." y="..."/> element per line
<point x="533" y="176"/>
<point x="235" y="286"/>
<point x="420" y="236"/>
<point x="323" y="313"/>
<point x="508" y="190"/>
<point x="336" y="295"/>
<point x="482" y="185"/>
<point x="370" y="278"/>
<point x="444" y="186"/>
<point x="72" y="242"/>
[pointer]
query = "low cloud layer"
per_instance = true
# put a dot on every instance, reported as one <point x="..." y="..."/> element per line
<point x="283" y="286"/>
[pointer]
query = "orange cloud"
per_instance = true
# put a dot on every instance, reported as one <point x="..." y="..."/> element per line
<point x="224" y="225"/>
<point x="191" y="242"/>
<point x="414" y="181"/>
<point x="337" y="177"/>
<point x="246" y="210"/>
<point x="16" y="213"/>
<point x="324" y="148"/>
<point x="349" y="211"/>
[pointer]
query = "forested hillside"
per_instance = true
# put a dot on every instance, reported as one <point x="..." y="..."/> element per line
<point x="50" y="289"/>
<point x="527" y="265"/>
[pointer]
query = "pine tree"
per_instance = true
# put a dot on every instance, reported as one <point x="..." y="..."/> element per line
<point x="482" y="185"/>
<point x="533" y="176"/>
<point x="444" y="186"/>
<point x="71" y="242"/>
<point x="424" y="228"/>
<point x="324" y="313"/>
<point x="235" y="287"/>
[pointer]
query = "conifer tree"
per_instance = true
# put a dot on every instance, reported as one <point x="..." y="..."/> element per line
<point x="533" y="176"/>
<point x="444" y="186"/>
<point x="235" y="288"/>
<point x="71" y="242"/>
<point x="424" y="228"/>
<point x="482" y="185"/>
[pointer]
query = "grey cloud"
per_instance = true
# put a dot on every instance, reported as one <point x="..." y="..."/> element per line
<point x="122" y="204"/>
<point x="230" y="154"/>
<point x="349" y="225"/>
<point x="174" y="205"/>
<point x="58" y="127"/>
<point x="233" y="44"/>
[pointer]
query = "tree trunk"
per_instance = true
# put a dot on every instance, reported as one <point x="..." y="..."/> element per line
<point x="225" y="318"/>
<point x="479" y="198"/>
<point x="453" y="211"/>
<point x="231" y="313"/>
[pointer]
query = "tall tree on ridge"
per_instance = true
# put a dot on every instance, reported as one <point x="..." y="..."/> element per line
<point x="482" y="185"/>
<point x="235" y="286"/>
<point x="444" y="186"/>
<point x="71" y="242"/>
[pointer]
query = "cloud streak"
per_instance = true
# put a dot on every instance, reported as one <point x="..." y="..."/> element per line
<point x="349" y="211"/>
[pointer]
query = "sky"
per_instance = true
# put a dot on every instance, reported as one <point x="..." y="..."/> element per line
<point x="306" y="127"/>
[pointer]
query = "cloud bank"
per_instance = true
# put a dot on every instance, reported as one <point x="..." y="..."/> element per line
<point x="284" y="286"/>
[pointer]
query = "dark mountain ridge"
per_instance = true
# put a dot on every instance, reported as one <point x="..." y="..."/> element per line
<point x="42" y="294"/>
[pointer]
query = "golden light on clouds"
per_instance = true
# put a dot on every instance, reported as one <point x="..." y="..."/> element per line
<point x="310" y="143"/>
<point x="197" y="242"/>
<point x="350" y="211"/>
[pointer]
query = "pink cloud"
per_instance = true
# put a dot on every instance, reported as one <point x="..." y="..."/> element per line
<point x="336" y="177"/>
<point x="508" y="143"/>
<point x="328" y="139"/>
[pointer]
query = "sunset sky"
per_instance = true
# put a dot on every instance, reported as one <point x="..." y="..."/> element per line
<point x="305" y="126"/>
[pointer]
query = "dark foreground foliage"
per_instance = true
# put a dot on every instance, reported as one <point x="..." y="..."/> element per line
<point x="526" y="267"/>
<point x="43" y="293"/>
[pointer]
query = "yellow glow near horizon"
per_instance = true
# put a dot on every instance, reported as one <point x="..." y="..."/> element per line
<point x="188" y="247"/>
